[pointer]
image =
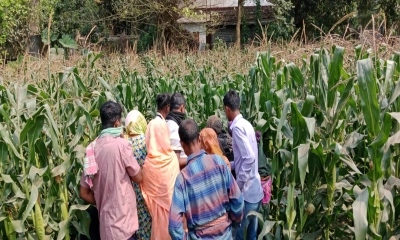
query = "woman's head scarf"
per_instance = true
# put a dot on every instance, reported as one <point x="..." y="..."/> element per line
<point x="135" y="123"/>
<point x="209" y="142"/>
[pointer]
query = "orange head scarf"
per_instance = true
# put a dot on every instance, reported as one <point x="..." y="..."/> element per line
<point x="209" y="142"/>
<point x="161" y="166"/>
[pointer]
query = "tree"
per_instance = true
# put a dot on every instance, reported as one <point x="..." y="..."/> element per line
<point x="239" y="22"/>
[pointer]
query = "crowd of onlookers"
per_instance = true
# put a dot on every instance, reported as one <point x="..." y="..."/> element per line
<point x="166" y="179"/>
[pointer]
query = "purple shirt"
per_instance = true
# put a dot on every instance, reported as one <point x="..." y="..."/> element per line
<point x="113" y="190"/>
<point x="245" y="163"/>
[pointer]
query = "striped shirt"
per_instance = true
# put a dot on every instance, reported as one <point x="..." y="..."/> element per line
<point x="209" y="197"/>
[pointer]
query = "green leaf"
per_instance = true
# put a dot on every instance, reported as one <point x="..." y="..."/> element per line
<point x="60" y="169"/>
<point x="281" y="121"/>
<point x="308" y="106"/>
<point x="3" y="156"/>
<point x="290" y="208"/>
<point x="383" y="135"/>
<point x="299" y="126"/>
<point x="395" y="93"/>
<point x="303" y="151"/>
<point x="33" y="171"/>
<point x="295" y="74"/>
<point x="18" y="226"/>
<point x="67" y="42"/>
<point x="6" y="138"/>
<point x="32" y="200"/>
<point x="268" y="225"/>
<point x="360" y="206"/>
<point x="334" y="74"/>
<point x="368" y="96"/>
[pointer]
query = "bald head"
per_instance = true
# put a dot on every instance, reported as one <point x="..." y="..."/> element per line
<point x="188" y="131"/>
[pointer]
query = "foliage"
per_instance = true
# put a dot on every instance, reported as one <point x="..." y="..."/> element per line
<point x="13" y="23"/>
<point x="72" y="17"/>
<point x="282" y="27"/>
<point x="331" y="133"/>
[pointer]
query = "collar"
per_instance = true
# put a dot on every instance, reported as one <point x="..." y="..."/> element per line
<point x="159" y="114"/>
<point x="195" y="156"/>
<point x="235" y="121"/>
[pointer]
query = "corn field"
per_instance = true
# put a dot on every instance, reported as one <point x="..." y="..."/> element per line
<point x="330" y="128"/>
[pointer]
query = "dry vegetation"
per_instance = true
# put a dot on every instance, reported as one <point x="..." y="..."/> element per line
<point x="224" y="60"/>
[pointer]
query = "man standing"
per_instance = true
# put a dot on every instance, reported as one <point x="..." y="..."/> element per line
<point x="205" y="193"/>
<point x="109" y="168"/>
<point x="174" y="119"/>
<point x="245" y="163"/>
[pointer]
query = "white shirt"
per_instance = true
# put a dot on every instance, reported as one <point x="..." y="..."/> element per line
<point x="174" y="137"/>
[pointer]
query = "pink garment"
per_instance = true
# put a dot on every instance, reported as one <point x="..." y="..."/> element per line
<point x="266" y="186"/>
<point x="90" y="167"/>
<point x="112" y="187"/>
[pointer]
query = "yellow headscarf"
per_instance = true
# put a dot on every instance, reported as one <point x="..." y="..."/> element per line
<point x="135" y="123"/>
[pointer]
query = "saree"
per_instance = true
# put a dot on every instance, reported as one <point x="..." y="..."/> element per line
<point x="136" y="125"/>
<point x="209" y="142"/>
<point x="160" y="170"/>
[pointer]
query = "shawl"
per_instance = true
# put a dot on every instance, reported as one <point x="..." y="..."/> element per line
<point x="209" y="142"/>
<point x="161" y="166"/>
<point x="90" y="167"/>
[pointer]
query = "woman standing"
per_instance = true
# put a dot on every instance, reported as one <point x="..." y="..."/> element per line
<point x="159" y="174"/>
<point x="136" y="125"/>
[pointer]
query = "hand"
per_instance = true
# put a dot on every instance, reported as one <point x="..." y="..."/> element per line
<point x="235" y="225"/>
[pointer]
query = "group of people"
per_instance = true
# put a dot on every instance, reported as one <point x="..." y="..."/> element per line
<point x="169" y="180"/>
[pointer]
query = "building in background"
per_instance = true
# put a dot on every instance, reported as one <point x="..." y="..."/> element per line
<point x="210" y="20"/>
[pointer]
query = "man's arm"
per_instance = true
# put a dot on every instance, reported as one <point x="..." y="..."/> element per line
<point x="182" y="160"/>
<point x="131" y="165"/>
<point x="247" y="156"/>
<point x="175" y="224"/>
<point x="87" y="195"/>
<point x="236" y="200"/>
<point x="138" y="178"/>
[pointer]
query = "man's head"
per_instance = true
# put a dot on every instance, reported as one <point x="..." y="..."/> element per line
<point x="110" y="114"/>
<point x="215" y="123"/>
<point x="232" y="104"/>
<point x="178" y="103"/>
<point x="189" y="135"/>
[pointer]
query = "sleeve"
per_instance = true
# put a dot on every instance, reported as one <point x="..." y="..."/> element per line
<point x="83" y="182"/>
<point x="236" y="200"/>
<point x="175" y="224"/>
<point x="247" y="156"/>
<point x="173" y="128"/>
<point x="129" y="161"/>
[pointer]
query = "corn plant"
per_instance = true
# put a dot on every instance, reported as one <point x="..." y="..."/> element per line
<point x="330" y="128"/>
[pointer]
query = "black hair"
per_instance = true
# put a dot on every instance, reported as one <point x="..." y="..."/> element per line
<point x="232" y="100"/>
<point x="177" y="100"/>
<point x="188" y="131"/>
<point x="163" y="100"/>
<point x="110" y="112"/>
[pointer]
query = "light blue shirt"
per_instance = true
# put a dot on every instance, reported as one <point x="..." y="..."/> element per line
<point x="245" y="162"/>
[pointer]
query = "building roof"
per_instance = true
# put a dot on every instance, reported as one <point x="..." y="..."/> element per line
<point x="224" y="3"/>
